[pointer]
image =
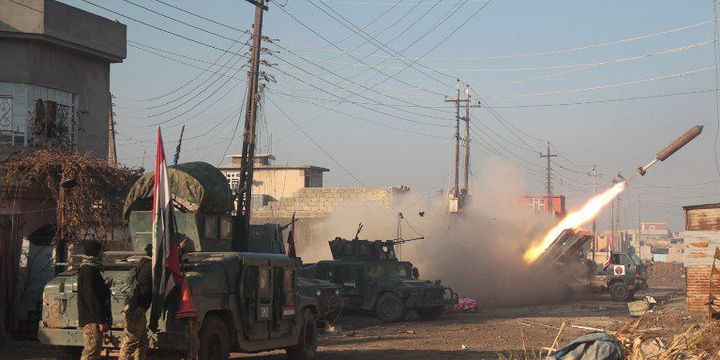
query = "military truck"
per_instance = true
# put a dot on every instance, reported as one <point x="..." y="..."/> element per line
<point x="374" y="280"/>
<point x="621" y="277"/>
<point x="247" y="301"/>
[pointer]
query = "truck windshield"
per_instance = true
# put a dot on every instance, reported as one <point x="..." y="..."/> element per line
<point x="389" y="270"/>
<point x="635" y="258"/>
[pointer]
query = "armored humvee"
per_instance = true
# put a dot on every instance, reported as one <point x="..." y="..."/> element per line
<point x="247" y="301"/>
<point x="373" y="279"/>
<point x="624" y="275"/>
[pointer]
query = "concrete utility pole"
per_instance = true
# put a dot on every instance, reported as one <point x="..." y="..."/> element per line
<point x="112" y="149"/>
<point x="616" y="214"/>
<point x="548" y="204"/>
<point x="594" y="174"/>
<point x="244" y="191"/>
<point x="455" y="194"/>
<point x="466" y="188"/>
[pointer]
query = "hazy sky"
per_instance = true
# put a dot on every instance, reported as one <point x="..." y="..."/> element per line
<point x="393" y="126"/>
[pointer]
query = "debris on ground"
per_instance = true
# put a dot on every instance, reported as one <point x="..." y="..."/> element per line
<point x="640" y="307"/>
<point x="466" y="304"/>
<point x="698" y="342"/>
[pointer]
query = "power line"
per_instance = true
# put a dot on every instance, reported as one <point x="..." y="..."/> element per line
<point x="159" y="28"/>
<point x="571" y="49"/>
<point x="354" y="57"/>
<point x="366" y="120"/>
<point x="345" y="100"/>
<point x="600" y="101"/>
<point x="608" y="86"/>
<point x="203" y="17"/>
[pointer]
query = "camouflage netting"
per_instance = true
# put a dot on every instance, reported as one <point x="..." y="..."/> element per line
<point x="196" y="186"/>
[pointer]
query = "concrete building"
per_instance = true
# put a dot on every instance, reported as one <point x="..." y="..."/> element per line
<point x="55" y="75"/>
<point x="537" y="202"/>
<point x="54" y="91"/>
<point x="274" y="181"/>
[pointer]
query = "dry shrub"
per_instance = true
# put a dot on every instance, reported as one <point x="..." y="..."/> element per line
<point x="93" y="208"/>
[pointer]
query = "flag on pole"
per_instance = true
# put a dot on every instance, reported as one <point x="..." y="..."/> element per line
<point x="608" y="261"/>
<point x="291" y="237"/>
<point x="165" y="257"/>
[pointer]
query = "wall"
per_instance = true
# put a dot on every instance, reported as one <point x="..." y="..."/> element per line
<point x="88" y="79"/>
<point x="666" y="275"/>
<point x="702" y="219"/>
<point x="698" y="257"/>
<point x="278" y="183"/>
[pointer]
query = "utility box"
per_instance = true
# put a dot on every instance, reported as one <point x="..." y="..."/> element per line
<point x="454" y="204"/>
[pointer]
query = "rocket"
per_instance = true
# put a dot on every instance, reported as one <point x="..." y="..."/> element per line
<point x="673" y="147"/>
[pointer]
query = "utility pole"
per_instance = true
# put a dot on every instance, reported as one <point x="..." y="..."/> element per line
<point x="549" y="156"/>
<point x="639" y="231"/>
<point x="112" y="149"/>
<point x="466" y="188"/>
<point x="244" y="191"/>
<point x="594" y="174"/>
<point x="455" y="194"/>
<point x="616" y="214"/>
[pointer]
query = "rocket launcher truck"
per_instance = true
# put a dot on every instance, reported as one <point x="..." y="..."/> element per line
<point x="621" y="277"/>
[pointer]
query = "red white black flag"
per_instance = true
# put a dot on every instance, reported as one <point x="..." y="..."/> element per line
<point x="166" y="271"/>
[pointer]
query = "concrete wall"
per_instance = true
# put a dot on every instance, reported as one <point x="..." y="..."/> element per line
<point x="278" y="183"/>
<point x="53" y="45"/>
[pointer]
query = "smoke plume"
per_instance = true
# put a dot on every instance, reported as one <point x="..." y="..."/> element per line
<point x="477" y="252"/>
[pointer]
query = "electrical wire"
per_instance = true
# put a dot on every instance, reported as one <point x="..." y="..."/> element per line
<point x="608" y="86"/>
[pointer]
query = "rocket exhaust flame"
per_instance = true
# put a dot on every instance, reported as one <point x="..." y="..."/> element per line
<point x="574" y="220"/>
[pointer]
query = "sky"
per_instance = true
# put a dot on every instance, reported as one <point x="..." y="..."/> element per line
<point x="359" y="87"/>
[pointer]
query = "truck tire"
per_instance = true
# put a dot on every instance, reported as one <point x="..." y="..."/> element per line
<point x="68" y="352"/>
<point x="306" y="348"/>
<point x="619" y="292"/>
<point x="213" y="339"/>
<point x="431" y="313"/>
<point x="390" y="308"/>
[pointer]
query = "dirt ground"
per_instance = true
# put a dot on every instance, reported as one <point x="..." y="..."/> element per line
<point x="479" y="335"/>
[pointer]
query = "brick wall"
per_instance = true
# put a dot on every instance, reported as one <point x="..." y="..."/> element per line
<point x="698" y="283"/>
<point x="666" y="275"/>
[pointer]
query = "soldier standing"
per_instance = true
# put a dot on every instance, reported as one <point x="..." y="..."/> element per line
<point x="135" y="337"/>
<point x="94" y="313"/>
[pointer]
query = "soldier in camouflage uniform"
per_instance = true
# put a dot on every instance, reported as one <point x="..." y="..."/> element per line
<point x="135" y="337"/>
<point x="94" y="313"/>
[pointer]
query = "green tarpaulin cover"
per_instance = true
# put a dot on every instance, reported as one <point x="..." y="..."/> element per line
<point x="196" y="186"/>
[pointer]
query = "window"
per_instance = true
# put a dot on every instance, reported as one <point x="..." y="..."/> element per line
<point x="225" y="227"/>
<point x="211" y="229"/>
<point x="6" y="115"/>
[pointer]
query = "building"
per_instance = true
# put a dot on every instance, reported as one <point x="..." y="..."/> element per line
<point x="55" y="75"/>
<point x="705" y="217"/>
<point x="701" y="238"/>
<point x="54" y="91"/>
<point x="537" y="202"/>
<point x="274" y="182"/>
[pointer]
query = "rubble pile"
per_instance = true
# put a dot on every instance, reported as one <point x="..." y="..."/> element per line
<point x="698" y="342"/>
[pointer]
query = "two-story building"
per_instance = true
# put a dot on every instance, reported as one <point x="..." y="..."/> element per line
<point x="54" y="92"/>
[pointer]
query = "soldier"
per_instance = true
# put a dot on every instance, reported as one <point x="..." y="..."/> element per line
<point x="93" y="302"/>
<point x="135" y="337"/>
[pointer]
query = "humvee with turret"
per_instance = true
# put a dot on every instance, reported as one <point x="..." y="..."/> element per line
<point x="621" y="277"/>
<point x="374" y="280"/>
<point x="247" y="300"/>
